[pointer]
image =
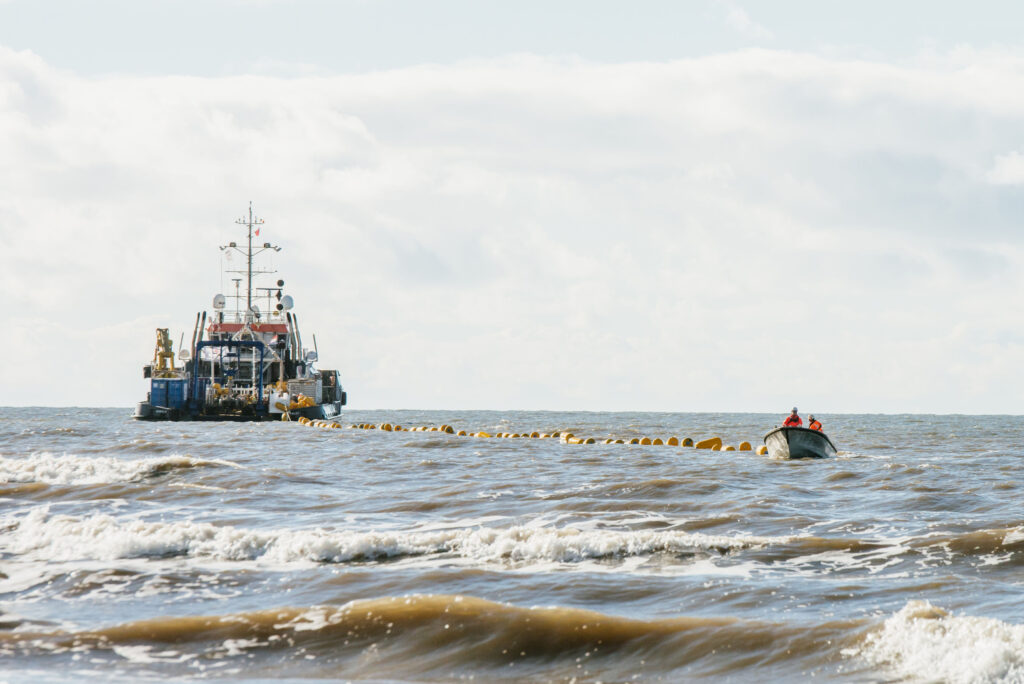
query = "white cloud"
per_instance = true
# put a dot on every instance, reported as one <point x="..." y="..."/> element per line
<point x="1008" y="169"/>
<point x="736" y="232"/>
<point x="739" y="20"/>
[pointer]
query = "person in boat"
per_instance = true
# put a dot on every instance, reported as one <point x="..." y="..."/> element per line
<point x="793" y="420"/>
<point x="814" y="423"/>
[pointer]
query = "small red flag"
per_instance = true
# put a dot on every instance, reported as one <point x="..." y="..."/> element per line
<point x="257" y="231"/>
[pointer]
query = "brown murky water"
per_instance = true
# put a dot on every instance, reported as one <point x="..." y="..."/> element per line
<point x="133" y="551"/>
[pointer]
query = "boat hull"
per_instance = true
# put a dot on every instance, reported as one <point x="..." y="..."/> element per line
<point x="145" y="411"/>
<point x="798" y="442"/>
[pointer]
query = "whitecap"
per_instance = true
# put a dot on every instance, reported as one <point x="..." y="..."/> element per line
<point x="69" y="469"/>
<point x="922" y="641"/>
<point x="38" y="535"/>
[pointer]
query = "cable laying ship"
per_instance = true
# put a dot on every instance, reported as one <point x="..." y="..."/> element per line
<point x="249" y="365"/>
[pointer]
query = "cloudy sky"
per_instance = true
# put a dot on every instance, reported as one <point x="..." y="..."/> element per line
<point x="678" y="206"/>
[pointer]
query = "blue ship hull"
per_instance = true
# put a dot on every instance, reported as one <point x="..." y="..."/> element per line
<point x="144" y="410"/>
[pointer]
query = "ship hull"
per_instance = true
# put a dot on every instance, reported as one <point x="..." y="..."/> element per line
<point x="146" y="411"/>
<point x="798" y="442"/>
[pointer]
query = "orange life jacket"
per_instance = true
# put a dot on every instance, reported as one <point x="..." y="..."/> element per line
<point x="792" y="421"/>
<point x="816" y="425"/>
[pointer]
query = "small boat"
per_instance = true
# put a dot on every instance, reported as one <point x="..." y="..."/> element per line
<point x="245" y="364"/>
<point x="798" y="442"/>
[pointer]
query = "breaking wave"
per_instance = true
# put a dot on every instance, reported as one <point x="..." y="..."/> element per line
<point x="70" y="469"/>
<point x="103" y="537"/>
<point x="924" y="642"/>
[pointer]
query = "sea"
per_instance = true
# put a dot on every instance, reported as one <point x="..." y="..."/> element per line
<point x="275" y="552"/>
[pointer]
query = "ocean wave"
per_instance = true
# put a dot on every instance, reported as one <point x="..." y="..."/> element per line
<point x="436" y="636"/>
<point x="39" y="535"/>
<point x="977" y="542"/>
<point x="924" y="642"/>
<point x="49" y="468"/>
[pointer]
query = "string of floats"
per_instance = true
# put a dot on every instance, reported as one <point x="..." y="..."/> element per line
<point x="711" y="443"/>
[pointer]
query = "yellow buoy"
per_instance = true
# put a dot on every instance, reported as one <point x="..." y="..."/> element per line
<point x="687" y="442"/>
<point x="673" y="441"/>
<point x="460" y="433"/>
<point x="482" y="434"/>
<point x="566" y="436"/>
<point x="710" y="443"/>
<point x="657" y="441"/>
<point x="573" y="440"/>
<point x="589" y="440"/>
<point x="646" y="441"/>
<point x="534" y="435"/>
<point x="763" y="449"/>
<point x="744" y="446"/>
<point x="619" y="441"/>
<point x="556" y="434"/>
<point x="449" y="429"/>
<point x="634" y="441"/>
<point x="729" y="447"/>
<point x="386" y="427"/>
<point x="543" y="435"/>
<point x="716" y="447"/>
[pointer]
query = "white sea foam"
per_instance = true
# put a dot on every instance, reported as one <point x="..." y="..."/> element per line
<point x="1013" y="536"/>
<point x="70" y="469"/>
<point x="927" y="643"/>
<point x="41" y="536"/>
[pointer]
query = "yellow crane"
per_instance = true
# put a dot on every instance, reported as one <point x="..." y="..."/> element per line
<point x="163" y="355"/>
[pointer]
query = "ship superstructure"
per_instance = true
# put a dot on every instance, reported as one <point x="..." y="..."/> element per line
<point x="246" y="359"/>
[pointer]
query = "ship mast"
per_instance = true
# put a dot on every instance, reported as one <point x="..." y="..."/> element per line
<point x="250" y="223"/>
<point x="248" y="285"/>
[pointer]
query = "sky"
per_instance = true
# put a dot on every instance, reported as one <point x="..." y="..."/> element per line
<point x="649" y="206"/>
